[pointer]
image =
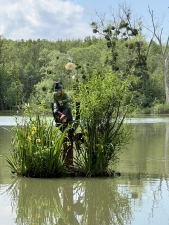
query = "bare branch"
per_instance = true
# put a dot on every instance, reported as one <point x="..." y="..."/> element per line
<point x="101" y="18"/>
<point x="149" y="46"/>
<point x="155" y="26"/>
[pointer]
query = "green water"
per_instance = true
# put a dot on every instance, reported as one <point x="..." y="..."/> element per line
<point x="140" y="196"/>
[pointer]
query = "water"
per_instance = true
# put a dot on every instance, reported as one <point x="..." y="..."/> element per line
<point x="139" y="196"/>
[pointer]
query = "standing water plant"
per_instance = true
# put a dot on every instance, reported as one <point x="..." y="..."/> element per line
<point x="104" y="134"/>
<point x="37" y="146"/>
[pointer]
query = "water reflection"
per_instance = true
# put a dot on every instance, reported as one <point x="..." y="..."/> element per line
<point x="119" y="201"/>
<point x="5" y="139"/>
<point x="68" y="201"/>
<point x="139" y="196"/>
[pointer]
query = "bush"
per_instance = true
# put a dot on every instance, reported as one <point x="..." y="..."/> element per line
<point x="103" y="131"/>
<point x="161" y="109"/>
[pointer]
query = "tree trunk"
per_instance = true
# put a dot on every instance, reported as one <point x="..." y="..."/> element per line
<point x="165" y="69"/>
<point x="158" y="33"/>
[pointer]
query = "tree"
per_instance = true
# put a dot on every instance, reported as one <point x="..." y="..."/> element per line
<point x="43" y="93"/>
<point x="157" y="32"/>
<point x="123" y="32"/>
<point x="86" y="58"/>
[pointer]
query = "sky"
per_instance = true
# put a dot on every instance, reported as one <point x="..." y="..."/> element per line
<point x="68" y="19"/>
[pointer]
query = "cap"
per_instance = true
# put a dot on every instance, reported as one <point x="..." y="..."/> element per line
<point x="57" y="86"/>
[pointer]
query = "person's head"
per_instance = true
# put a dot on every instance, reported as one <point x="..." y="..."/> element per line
<point x="58" y="89"/>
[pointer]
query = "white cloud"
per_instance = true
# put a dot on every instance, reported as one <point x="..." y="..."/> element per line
<point x="49" y="19"/>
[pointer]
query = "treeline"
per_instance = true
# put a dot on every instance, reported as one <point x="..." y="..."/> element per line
<point x="29" y="68"/>
<point x="23" y="64"/>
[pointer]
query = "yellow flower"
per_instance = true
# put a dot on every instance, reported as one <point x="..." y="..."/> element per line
<point x="28" y="138"/>
<point x="66" y="134"/>
<point x="68" y="143"/>
<point x="37" y="215"/>
<point x="34" y="129"/>
<point x="38" y="140"/>
<point x="68" y="208"/>
<point x="84" y="137"/>
<point x="85" y="131"/>
<point x="74" y="111"/>
<point x="33" y="132"/>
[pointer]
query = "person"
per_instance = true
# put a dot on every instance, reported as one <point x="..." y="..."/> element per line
<point x="61" y="107"/>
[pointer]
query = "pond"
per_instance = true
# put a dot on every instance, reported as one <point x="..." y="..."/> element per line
<point x="139" y="196"/>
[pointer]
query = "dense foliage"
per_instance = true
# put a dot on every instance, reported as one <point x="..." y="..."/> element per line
<point x="29" y="68"/>
<point x="103" y="109"/>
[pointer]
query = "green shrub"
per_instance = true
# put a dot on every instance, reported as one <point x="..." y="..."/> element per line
<point x="161" y="109"/>
<point x="103" y="131"/>
<point x="145" y="111"/>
